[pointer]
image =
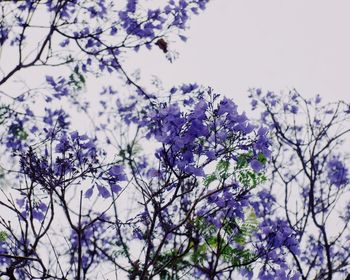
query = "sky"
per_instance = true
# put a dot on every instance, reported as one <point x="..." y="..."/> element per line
<point x="272" y="44"/>
<point x="275" y="45"/>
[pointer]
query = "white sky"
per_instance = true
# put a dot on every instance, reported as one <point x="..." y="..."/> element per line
<point x="274" y="44"/>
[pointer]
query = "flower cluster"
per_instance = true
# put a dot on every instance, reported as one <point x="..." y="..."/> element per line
<point x="73" y="152"/>
<point x="204" y="131"/>
<point x="337" y="172"/>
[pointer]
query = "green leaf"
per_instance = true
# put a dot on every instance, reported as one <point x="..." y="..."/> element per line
<point x="209" y="179"/>
<point x="22" y="135"/>
<point x="76" y="80"/>
<point x="222" y="166"/>
<point x="3" y="236"/>
<point x="262" y="158"/>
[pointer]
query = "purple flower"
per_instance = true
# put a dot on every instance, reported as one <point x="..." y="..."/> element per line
<point x="254" y="104"/>
<point x="116" y="170"/>
<point x="64" y="43"/>
<point x="63" y="146"/>
<point x="42" y="206"/>
<point x="227" y="106"/>
<point x="137" y="233"/>
<point x="21" y="202"/>
<point x="116" y="188"/>
<point x="211" y="155"/>
<point x="294" y="109"/>
<point x="102" y="190"/>
<point x="195" y="171"/>
<point x="38" y="215"/>
<point x="337" y="172"/>
<point x="256" y="165"/>
<point x="183" y="38"/>
<point x="89" y="192"/>
<point x="117" y="173"/>
<point x="318" y="99"/>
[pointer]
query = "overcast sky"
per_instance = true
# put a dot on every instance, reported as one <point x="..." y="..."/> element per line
<point x="274" y="44"/>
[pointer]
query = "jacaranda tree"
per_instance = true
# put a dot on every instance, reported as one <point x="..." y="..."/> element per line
<point x="310" y="179"/>
<point x="167" y="184"/>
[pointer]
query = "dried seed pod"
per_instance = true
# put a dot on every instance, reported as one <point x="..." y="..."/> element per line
<point x="162" y="44"/>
